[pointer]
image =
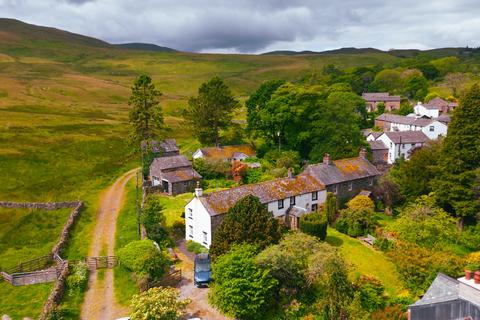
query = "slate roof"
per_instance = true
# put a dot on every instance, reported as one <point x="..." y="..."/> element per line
<point x="438" y="103"/>
<point x="444" y="119"/>
<point x="407" y="136"/>
<point x="379" y="96"/>
<point x="377" y="145"/>
<point x="227" y="152"/>
<point x="297" y="211"/>
<point x="164" y="163"/>
<point x="443" y="288"/>
<point x="179" y="175"/>
<point x="375" y="134"/>
<point x="342" y="170"/>
<point x="219" y="202"/>
<point x="167" y="145"/>
<point x="395" y="118"/>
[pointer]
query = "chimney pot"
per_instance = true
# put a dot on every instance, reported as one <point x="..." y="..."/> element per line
<point x="291" y="175"/>
<point x="198" y="190"/>
<point x="363" y="153"/>
<point x="326" y="159"/>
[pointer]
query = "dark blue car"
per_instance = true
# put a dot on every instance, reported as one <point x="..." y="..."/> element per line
<point x="202" y="270"/>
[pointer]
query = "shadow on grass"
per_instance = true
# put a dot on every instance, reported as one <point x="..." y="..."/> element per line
<point x="334" y="241"/>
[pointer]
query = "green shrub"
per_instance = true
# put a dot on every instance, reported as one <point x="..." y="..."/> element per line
<point x="160" y="235"/>
<point x="383" y="244"/>
<point x="195" y="247"/>
<point x="158" y="303"/>
<point x="371" y="293"/>
<point x="355" y="223"/>
<point x="314" y="224"/>
<point x="144" y="259"/>
<point x="78" y="278"/>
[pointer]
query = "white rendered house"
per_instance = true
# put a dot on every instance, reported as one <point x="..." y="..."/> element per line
<point x="401" y="143"/>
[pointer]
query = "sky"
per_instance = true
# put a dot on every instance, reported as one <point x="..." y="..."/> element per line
<point x="255" y="26"/>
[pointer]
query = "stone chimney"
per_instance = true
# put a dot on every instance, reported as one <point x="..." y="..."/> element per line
<point x="363" y="153"/>
<point x="326" y="159"/>
<point x="198" y="190"/>
<point x="290" y="173"/>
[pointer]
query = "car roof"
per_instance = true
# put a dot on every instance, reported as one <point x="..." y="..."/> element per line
<point x="202" y="256"/>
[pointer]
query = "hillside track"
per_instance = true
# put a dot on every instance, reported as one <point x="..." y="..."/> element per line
<point x="100" y="300"/>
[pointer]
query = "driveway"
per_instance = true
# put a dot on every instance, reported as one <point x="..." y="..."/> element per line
<point x="199" y="307"/>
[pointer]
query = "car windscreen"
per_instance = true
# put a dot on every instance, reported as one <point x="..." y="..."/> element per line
<point x="203" y="266"/>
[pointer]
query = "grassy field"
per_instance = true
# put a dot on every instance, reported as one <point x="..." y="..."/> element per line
<point x="125" y="286"/>
<point x="366" y="260"/>
<point x="24" y="235"/>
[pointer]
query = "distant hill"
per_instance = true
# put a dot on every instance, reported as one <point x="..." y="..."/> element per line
<point x="399" y="53"/>
<point x="12" y="31"/>
<point x="144" y="47"/>
<point x="349" y="50"/>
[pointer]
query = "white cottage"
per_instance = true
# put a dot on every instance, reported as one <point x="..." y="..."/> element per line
<point x="431" y="127"/>
<point x="293" y="194"/>
<point x="401" y="143"/>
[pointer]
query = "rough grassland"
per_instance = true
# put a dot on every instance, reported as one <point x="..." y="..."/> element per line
<point x="26" y="234"/>
<point x="365" y="260"/>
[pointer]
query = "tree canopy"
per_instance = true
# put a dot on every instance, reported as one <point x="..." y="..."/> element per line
<point x="210" y="111"/>
<point x="242" y="289"/>
<point x="457" y="180"/>
<point x="248" y="221"/>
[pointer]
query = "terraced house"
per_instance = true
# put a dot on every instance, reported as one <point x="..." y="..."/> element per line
<point x="286" y="198"/>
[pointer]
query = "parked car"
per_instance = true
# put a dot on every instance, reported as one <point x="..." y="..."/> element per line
<point x="202" y="270"/>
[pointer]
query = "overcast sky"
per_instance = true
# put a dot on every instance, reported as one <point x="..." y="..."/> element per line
<point x="261" y="25"/>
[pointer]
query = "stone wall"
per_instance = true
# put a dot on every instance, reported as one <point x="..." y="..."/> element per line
<point x="40" y="205"/>
<point x="62" y="242"/>
<point x="57" y="292"/>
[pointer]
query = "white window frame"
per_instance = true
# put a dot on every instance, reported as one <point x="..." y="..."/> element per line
<point x="292" y="200"/>
<point x="205" y="237"/>
<point x="432" y="128"/>
<point x="190" y="231"/>
<point x="350" y="186"/>
<point x="314" y="195"/>
<point x="190" y="213"/>
<point x="281" y="204"/>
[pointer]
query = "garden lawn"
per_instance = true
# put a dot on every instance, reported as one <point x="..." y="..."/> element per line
<point x="174" y="206"/>
<point x="366" y="260"/>
<point x="124" y="284"/>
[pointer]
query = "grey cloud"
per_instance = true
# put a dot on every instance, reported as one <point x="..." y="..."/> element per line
<point x="256" y="25"/>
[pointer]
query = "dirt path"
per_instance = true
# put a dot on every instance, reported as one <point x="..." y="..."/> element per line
<point x="100" y="301"/>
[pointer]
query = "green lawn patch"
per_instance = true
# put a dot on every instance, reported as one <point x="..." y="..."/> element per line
<point x="124" y="284"/>
<point x="366" y="260"/>
<point x="23" y="301"/>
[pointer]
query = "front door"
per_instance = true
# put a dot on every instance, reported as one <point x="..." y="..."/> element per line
<point x="165" y="186"/>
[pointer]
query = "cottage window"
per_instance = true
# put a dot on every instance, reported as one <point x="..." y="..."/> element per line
<point x="190" y="231"/>
<point x="205" y="238"/>
<point x="314" y="195"/>
<point x="314" y="207"/>
<point x="412" y="145"/>
<point x="350" y="186"/>
<point x="190" y="213"/>
<point x="391" y="144"/>
<point x="292" y="201"/>
<point x="280" y="204"/>
<point x="370" y="182"/>
<point x="403" y="146"/>
<point x="335" y="190"/>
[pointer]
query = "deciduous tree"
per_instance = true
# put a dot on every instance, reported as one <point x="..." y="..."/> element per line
<point x="211" y="111"/>
<point x="242" y="289"/>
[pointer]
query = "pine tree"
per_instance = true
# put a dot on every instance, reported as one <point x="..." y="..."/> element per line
<point x="459" y="165"/>
<point x="146" y="118"/>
